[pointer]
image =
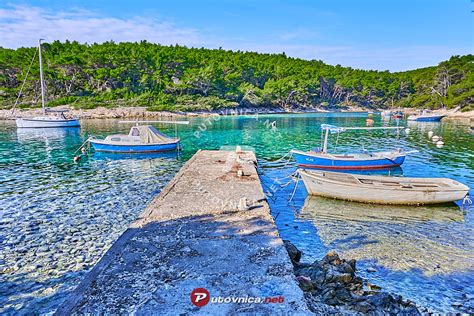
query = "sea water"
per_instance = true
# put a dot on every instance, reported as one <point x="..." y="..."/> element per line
<point x="57" y="217"/>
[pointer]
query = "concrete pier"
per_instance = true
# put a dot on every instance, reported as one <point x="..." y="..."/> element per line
<point x="209" y="228"/>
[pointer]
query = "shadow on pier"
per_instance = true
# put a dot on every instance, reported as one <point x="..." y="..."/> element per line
<point x="156" y="267"/>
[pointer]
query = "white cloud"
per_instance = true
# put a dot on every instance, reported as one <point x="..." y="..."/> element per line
<point x="23" y="25"/>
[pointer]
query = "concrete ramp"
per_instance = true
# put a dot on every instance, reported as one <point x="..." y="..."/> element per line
<point x="209" y="228"/>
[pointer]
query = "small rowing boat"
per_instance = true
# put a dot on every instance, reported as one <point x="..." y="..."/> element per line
<point x="383" y="189"/>
<point x="318" y="158"/>
<point x="140" y="139"/>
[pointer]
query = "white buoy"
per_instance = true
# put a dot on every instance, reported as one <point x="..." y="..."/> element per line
<point x="439" y="143"/>
<point x="430" y="134"/>
<point x="435" y="138"/>
<point x="407" y="131"/>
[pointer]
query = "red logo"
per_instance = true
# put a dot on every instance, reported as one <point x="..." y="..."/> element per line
<point x="200" y="297"/>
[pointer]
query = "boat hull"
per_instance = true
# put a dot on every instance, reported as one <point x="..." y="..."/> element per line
<point x="45" y="123"/>
<point x="128" y="148"/>
<point x="322" y="161"/>
<point x="431" y="118"/>
<point x="318" y="183"/>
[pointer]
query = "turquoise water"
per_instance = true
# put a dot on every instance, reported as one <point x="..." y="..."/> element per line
<point x="58" y="217"/>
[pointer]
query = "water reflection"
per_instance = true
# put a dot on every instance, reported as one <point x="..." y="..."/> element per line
<point x="321" y="208"/>
<point x="397" y="237"/>
<point x="46" y="134"/>
<point x="137" y="156"/>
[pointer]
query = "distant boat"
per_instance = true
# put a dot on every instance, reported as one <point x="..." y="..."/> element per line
<point x="320" y="159"/>
<point x="50" y="118"/>
<point x="398" y="115"/>
<point x="140" y="139"/>
<point x="383" y="189"/>
<point x="426" y="116"/>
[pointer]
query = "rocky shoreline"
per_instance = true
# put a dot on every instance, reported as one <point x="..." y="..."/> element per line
<point x="331" y="286"/>
<point x="142" y="112"/>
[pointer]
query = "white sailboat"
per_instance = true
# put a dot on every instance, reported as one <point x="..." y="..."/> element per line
<point x="50" y="118"/>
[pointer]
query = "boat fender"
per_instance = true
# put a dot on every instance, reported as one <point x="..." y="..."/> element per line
<point x="407" y="131"/>
<point x="439" y="143"/>
<point x="430" y="134"/>
<point x="77" y="158"/>
<point x="435" y="138"/>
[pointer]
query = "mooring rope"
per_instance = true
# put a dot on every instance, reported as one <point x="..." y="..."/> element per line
<point x="85" y="142"/>
<point x="280" y="159"/>
<point x="466" y="201"/>
<point x="284" y="178"/>
<point x="296" y="186"/>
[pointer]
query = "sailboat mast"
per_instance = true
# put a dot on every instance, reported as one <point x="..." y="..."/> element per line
<point x="41" y="77"/>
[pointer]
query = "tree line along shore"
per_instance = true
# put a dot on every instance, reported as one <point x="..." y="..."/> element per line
<point x="186" y="80"/>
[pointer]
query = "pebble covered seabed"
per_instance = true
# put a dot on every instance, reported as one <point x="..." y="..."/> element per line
<point x="57" y="218"/>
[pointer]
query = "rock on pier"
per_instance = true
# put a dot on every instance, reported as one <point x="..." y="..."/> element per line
<point x="209" y="228"/>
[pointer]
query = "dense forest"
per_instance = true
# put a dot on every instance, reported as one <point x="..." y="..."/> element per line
<point x="177" y="78"/>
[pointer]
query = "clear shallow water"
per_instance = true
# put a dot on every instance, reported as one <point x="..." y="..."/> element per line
<point x="57" y="218"/>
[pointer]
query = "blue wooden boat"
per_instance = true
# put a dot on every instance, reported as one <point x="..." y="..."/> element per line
<point x="141" y="139"/>
<point x="426" y="116"/>
<point x="320" y="159"/>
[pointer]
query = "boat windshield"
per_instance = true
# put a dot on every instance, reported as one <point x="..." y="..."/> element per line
<point x="135" y="132"/>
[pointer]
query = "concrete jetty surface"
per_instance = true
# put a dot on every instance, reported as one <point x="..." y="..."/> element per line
<point x="209" y="228"/>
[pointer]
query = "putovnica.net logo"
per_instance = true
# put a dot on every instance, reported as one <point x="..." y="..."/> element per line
<point x="201" y="297"/>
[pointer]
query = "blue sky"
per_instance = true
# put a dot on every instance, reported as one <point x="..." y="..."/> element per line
<point x="382" y="35"/>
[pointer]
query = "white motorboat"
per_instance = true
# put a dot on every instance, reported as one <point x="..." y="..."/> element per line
<point x="140" y="139"/>
<point x="426" y="116"/>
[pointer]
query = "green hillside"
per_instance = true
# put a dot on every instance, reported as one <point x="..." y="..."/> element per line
<point x="177" y="78"/>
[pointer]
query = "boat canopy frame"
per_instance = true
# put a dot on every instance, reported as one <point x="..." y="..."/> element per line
<point x="333" y="129"/>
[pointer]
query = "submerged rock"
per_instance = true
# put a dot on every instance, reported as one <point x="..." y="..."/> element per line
<point x="333" y="281"/>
